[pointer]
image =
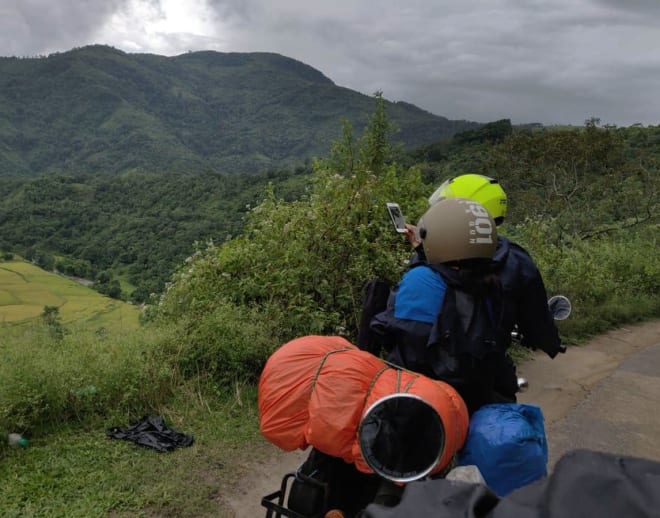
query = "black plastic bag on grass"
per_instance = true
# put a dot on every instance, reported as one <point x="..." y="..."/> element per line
<point x="152" y="432"/>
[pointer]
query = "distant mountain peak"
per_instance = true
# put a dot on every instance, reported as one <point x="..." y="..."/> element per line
<point x="98" y="109"/>
<point x="266" y="59"/>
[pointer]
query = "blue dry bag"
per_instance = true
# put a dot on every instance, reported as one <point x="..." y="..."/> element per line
<point x="507" y="443"/>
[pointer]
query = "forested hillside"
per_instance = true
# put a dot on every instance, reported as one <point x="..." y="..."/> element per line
<point x="100" y="110"/>
<point x="587" y="180"/>
<point x="137" y="227"/>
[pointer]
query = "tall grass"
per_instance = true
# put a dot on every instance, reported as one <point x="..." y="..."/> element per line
<point x="49" y="380"/>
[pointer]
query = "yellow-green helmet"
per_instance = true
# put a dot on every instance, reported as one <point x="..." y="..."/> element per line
<point x="487" y="191"/>
<point x="457" y="229"/>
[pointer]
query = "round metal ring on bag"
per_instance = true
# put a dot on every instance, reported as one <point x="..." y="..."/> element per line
<point x="401" y="437"/>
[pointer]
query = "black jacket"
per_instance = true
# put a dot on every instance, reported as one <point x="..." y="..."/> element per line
<point x="522" y="301"/>
<point x="525" y="299"/>
<point x="524" y="295"/>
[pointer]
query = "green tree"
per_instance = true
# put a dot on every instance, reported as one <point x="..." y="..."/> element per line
<point x="582" y="180"/>
<point x="105" y="284"/>
<point x="50" y="316"/>
<point x="310" y="258"/>
<point x="45" y="261"/>
<point x="496" y="131"/>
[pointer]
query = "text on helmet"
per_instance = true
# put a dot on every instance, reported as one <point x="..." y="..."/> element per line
<point x="481" y="227"/>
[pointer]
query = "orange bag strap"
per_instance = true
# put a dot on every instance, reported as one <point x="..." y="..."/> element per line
<point x="373" y="382"/>
<point x="318" y="369"/>
<point x="399" y="371"/>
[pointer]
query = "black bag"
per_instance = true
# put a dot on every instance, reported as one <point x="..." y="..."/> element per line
<point x="375" y="294"/>
<point x="324" y="482"/>
<point x="152" y="432"/>
<point x="584" y="484"/>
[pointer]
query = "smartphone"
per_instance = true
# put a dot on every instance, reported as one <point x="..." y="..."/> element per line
<point x="397" y="217"/>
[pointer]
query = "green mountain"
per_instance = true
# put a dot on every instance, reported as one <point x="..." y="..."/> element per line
<point x="99" y="110"/>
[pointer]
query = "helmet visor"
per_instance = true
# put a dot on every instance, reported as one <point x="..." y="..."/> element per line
<point x="440" y="193"/>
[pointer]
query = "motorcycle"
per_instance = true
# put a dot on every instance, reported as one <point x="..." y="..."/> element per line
<point x="401" y="437"/>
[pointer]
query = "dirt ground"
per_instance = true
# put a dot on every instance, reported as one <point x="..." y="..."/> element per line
<point x="602" y="395"/>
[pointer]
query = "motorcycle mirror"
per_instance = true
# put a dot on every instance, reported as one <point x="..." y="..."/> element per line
<point x="560" y="307"/>
<point x="401" y="437"/>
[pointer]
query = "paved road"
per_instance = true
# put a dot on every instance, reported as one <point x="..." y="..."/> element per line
<point x="603" y="396"/>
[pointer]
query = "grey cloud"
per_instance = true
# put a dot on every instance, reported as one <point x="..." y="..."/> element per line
<point x="240" y="12"/>
<point x="556" y="65"/>
<point x="41" y="26"/>
<point x="634" y="6"/>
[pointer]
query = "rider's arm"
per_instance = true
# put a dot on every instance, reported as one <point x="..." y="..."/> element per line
<point x="535" y="321"/>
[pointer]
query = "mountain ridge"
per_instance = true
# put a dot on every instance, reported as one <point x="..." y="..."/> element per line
<point x="98" y="109"/>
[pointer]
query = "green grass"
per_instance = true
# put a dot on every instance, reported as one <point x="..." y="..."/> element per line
<point x="62" y="391"/>
<point x="78" y="472"/>
<point x="76" y="374"/>
<point x="25" y="289"/>
<point x="126" y="286"/>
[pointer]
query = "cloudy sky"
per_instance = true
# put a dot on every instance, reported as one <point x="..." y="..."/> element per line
<point x="549" y="61"/>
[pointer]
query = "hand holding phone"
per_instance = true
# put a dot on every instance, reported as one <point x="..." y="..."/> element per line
<point x="397" y="217"/>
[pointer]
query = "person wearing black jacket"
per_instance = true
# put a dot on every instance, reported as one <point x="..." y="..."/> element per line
<point x="514" y="298"/>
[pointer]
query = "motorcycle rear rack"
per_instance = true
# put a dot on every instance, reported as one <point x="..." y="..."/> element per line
<point x="276" y="502"/>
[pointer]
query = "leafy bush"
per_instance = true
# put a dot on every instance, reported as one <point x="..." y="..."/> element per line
<point x="588" y="181"/>
<point x="230" y="343"/>
<point x="310" y="257"/>
<point x="610" y="279"/>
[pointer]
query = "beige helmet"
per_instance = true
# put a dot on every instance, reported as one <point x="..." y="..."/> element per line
<point x="455" y="229"/>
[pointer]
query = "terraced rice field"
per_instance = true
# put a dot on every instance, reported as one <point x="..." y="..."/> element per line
<point x="25" y="289"/>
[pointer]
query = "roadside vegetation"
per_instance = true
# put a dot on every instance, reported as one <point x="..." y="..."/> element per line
<point x="584" y="203"/>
